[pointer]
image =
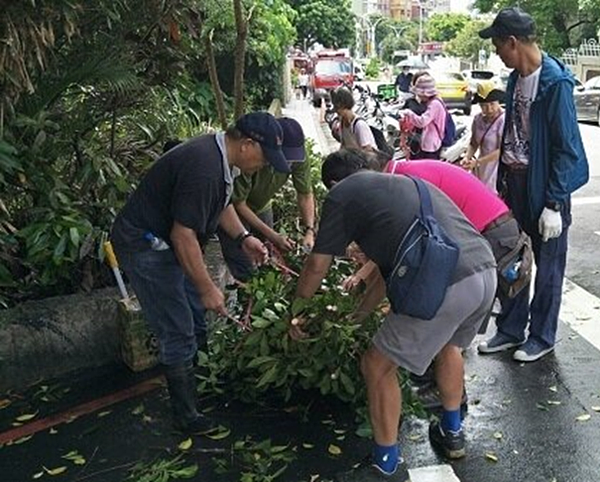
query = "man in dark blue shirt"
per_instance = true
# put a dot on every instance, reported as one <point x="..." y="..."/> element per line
<point x="181" y="200"/>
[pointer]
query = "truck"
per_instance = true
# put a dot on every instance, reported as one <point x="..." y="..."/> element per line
<point x="331" y="69"/>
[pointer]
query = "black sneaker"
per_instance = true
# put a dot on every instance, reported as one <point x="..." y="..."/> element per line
<point x="451" y="444"/>
<point x="367" y="471"/>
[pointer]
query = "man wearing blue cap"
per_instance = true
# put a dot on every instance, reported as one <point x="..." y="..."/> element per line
<point x="253" y="194"/>
<point x="159" y="234"/>
<point x="542" y="161"/>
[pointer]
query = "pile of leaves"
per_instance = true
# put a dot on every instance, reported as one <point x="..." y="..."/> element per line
<point x="252" y="357"/>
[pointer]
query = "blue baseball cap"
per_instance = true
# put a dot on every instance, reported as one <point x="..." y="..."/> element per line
<point x="293" y="139"/>
<point x="263" y="128"/>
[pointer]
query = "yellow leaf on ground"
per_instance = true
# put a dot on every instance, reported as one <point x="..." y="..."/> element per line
<point x="26" y="417"/>
<point x="334" y="449"/>
<point x="308" y="446"/>
<point x="596" y="408"/>
<point x="22" y="439"/>
<point x="186" y="444"/>
<point x="314" y="478"/>
<point x="79" y="461"/>
<point x="104" y="414"/>
<point x="38" y="475"/>
<point x="584" y="417"/>
<point x="56" y="471"/>
<point x="5" y="402"/>
<point x="553" y="388"/>
<point x="553" y="402"/>
<point x="52" y="431"/>
<point x="491" y="456"/>
<point x="415" y="437"/>
<point x="498" y="435"/>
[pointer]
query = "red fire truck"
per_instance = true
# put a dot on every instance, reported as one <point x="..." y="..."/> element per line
<point x="331" y="68"/>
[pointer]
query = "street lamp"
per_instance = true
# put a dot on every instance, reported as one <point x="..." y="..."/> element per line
<point x="359" y="32"/>
<point x="373" y="27"/>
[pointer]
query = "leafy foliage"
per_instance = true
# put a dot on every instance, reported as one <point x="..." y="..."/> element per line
<point x="328" y="22"/>
<point x="261" y="363"/>
<point x="162" y="470"/>
<point x="260" y="461"/>
<point x="90" y="92"/>
<point x="467" y="43"/>
<point x="392" y="36"/>
<point x="560" y="23"/>
<point x="443" y="27"/>
<point x="372" y="68"/>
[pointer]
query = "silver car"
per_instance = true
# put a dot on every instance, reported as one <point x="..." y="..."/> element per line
<point x="587" y="100"/>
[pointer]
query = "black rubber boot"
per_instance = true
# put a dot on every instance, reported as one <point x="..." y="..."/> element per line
<point x="181" y="384"/>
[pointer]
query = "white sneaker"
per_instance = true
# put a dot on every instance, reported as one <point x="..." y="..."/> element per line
<point x="531" y="351"/>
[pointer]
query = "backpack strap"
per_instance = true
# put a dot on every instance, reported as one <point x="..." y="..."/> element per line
<point x="488" y="129"/>
<point x="425" y="208"/>
<point x="425" y="198"/>
<point x="354" y="122"/>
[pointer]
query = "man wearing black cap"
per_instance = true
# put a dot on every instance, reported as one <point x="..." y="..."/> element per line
<point x="542" y="161"/>
<point x="158" y="238"/>
<point x="253" y="193"/>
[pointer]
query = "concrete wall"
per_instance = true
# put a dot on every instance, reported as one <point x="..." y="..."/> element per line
<point x="51" y="337"/>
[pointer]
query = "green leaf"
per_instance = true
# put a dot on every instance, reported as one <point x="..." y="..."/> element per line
<point x="299" y="305"/>
<point x="269" y="376"/>
<point x="347" y="383"/>
<point x="261" y="323"/>
<point x="74" y="235"/>
<point x="220" y="434"/>
<point x="260" y="361"/>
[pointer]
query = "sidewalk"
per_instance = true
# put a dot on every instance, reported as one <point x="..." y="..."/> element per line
<point x="308" y="117"/>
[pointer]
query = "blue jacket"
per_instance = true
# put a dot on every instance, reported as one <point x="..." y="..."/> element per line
<point x="558" y="164"/>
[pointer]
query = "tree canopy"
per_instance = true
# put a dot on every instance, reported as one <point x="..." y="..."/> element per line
<point x="443" y="27"/>
<point x="560" y="23"/>
<point x="328" y="22"/>
<point x="467" y="44"/>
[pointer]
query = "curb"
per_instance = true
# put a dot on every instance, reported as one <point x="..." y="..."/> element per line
<point x="54" y="336"/>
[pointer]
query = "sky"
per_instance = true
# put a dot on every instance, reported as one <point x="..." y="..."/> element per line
<point x="460" y="6"/>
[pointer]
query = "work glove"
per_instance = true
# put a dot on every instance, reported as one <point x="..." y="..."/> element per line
<point x="550" y="224"/>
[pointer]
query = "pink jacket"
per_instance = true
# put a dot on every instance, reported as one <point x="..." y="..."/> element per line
<point x="433" y="123"/>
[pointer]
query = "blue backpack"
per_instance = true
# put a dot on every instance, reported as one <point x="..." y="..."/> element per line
<point x="449" y="129"/>
<point x="424" y="264"/>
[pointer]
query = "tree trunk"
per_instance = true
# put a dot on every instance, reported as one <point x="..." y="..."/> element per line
<point x="214" y="80"/>
<point x="241" y="26"/>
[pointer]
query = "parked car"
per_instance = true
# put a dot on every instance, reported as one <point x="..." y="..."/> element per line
<point x="587" y="100"/>
<point x="474" y="77"/>
<point x="454" y="90"/>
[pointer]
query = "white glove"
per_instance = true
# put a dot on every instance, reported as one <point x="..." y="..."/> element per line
<point x="550" y="224"/>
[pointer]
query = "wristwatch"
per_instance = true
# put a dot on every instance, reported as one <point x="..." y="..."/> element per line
<point x="240" y="239"/>
<point x="555" y="206"/>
